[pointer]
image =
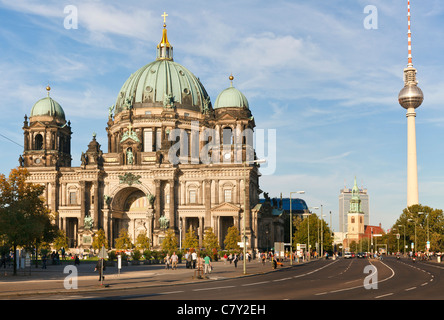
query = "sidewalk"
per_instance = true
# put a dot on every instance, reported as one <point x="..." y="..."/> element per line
<point x="52" y="280"/>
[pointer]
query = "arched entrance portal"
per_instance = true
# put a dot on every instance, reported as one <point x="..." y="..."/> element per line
<point x="131" y="211"/>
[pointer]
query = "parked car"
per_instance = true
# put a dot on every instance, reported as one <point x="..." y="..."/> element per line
<point x="348" y="255"/>
<point x="361" y="255"/>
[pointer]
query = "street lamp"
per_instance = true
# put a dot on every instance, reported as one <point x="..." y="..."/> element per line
<point x="428" y="239"/>
<point x="399" y="225"/>
<point x="245" y="206"/>
<point x="308" y="232"/>
<point x="291" y="227"/>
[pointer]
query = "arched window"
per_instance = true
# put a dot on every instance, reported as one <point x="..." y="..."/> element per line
<point x="227" y="135"/>
<point x="38" y="142"/>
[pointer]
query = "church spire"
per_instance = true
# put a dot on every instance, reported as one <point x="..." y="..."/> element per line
<point x="164" y="48"/>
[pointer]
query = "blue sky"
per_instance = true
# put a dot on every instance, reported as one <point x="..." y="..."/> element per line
<point x="310" y="70"/>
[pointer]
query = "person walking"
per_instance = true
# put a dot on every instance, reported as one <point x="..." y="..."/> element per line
<point x="44" y="261"/>
<point x="100" y="266"/>
<point x="235" y="260"/>
<point x="194" y="259"/>
<point x="207" y="263"/>
<point x="167" y="261"/>
<point x="174" y="260"/>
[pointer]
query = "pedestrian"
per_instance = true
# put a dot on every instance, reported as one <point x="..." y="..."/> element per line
<point x="235" y="260"/>
<point x="188" y="257"/>
<point x="194" y="259"/>
<point x="167" y="261"/>
<point x="207" y="263"/>
<point x="100" y="267"/>
<point x="76" y="260"/>
<point x="174" y="260"/>
<point x="44" y="261"/>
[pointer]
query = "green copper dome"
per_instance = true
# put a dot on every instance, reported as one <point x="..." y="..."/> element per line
<point x="231" y="98"/>
<point x="160" y="80"/>
<point x="163" y="83"/>
<point x="48" y="107"/>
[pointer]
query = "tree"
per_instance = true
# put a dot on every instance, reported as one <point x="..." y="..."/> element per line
<point x="232" y="238"/>
<point x="191" y="239"/>
<point x="143" y="242"/>
<point x="170" y="242"/>
<point x="100" y="240"/>
<point x="24" y="218"/>
<point x="312" y="225"/>
<point x="61" y="241"/>
<point x="428" y="222"/>
<point x="123" y="242"/>
<point x="210" y="242"/>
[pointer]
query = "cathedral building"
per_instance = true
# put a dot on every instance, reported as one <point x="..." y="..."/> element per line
<point x="174" y="161"/>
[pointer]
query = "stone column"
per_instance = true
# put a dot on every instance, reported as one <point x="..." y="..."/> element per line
<point x="82" y="205"/>
<point x="157" y="208"/>
<point x="96" y="205"/>
<point x="201" y="233"/>
<point x="106" y="222"/>
<point x="207" y="203"/>
<point x="172" y="205"/>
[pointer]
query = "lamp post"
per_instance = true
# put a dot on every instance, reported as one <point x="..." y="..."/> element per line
<point x="428" y="239"/>
<point x="245" y="206"/>
<point x="308" y="233"/>
<point x="400" y="225"/>
<point x="291" y="227"/>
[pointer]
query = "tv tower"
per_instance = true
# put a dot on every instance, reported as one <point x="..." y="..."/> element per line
<point x="410" y="98"/>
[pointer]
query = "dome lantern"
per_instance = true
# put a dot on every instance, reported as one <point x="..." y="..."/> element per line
<point x="164" y="48"/>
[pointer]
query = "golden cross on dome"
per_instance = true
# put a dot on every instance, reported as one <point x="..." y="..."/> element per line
<point x="164" y="15"/>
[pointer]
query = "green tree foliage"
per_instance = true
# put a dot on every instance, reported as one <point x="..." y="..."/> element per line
<point x="123" y="242"/>
<point x="99" y="240"/>
<point x="143" y="242"/>
<point x="210" y="242"/>
<point x="311" y="226"/>
<point x="61" y="241"/>
<point x="429" y="224"/>
<point x="24" y="218"/>
<point x="170" y="242"/>
<point x="232" y="238"/>
<point x="191" y="240"/>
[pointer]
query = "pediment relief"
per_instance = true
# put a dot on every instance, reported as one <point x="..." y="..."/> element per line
<point x="227" y="116"/>
<point x="226" y="207"/>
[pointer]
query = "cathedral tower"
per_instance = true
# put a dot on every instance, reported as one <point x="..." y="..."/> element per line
<point x="47" y="136"/>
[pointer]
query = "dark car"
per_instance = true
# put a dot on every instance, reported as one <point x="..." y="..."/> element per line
<point x="361" y="255"/>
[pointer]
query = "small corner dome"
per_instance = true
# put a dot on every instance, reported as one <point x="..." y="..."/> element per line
<point x="48" y="107"/>
<point x="231" y="98"/>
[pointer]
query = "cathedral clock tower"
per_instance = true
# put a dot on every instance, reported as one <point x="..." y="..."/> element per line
<point x="47" y="136"/>
<point x="355" y="216"/>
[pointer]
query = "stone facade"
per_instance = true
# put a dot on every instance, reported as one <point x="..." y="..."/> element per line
<point x="171" y="164"/>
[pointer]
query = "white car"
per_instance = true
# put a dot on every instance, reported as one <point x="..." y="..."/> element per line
<point x="348" y="255"/>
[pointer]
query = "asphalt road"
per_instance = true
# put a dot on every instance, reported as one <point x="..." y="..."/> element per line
<point x="341" y="279"/>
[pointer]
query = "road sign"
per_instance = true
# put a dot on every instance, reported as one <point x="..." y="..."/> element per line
<point x="428" y="244"/>
<point x="103" y="254"/>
